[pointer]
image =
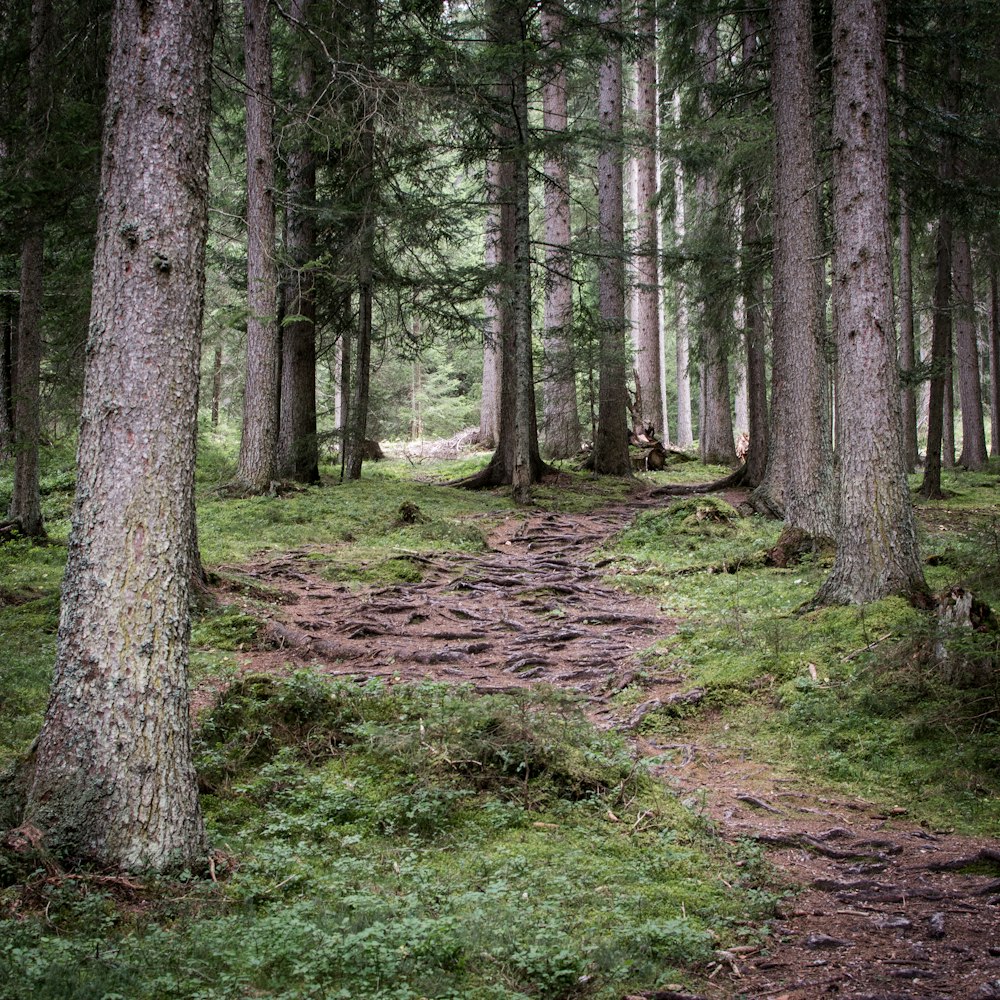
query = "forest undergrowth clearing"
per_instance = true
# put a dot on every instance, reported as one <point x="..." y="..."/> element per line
<point x="661" y="623"/>
<point x="511" y="618"/>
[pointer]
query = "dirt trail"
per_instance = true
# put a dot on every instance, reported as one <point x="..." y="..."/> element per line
<point x="888" y="911"/>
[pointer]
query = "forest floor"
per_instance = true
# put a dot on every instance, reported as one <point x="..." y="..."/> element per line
<point x="879" y="906"/>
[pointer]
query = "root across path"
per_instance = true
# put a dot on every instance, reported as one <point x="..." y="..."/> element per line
<point x="878" y="907"/>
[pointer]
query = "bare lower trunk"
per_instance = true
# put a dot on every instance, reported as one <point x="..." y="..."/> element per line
<point x="647" y="272"/>
<point x="113" y="778"/>
<point x="493" y="308"/>
<point x="994" y="362"/>
<point x="298" y="453"/>
<point x="7" y="334"/>
<point x="259" y="441"/>
<point x="25" y="501"/>
<point x="216" y="384"/>
<point x="561" y="428"/>
<point x="967" y="354"/>
<point x="685" y="435"/>
<point x="611" y="445"/>
<point x="876" y="540"/>
<point x="798" y="481"/>
<point x="948" y="428"/>
<point x="716" y="429"/>
<point x="940" y="338"/>
<point x="906" y="349"/>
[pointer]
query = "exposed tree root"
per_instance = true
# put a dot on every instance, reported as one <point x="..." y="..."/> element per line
<point x="678" y="490"/>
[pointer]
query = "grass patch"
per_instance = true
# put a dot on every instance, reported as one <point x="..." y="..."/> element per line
<point x="411" y="842"/>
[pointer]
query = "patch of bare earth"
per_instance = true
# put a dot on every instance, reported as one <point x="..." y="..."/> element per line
<point x="881" y="908"/>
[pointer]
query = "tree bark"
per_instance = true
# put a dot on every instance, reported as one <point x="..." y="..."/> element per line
<point x="113" y="780"/>
<point x="367" y="108"/>
<point x="216" y="384"/>
<point x="493" y="308"/>
<point x="799" y="479"/>
<point x="516" y="461"/>
<point x="7" y="334"/>
<point x="647" y="272"/>
<point x="25" y="502"/>
<point x="716" y="430"/>
<point x="298" y="451"/>
<point x="611" y="455"/>
<point x="755" y="333"/>
<point x="994" y="361"/>
<point x="561" y="421"/>
<point x="911" y="454"/>
<point x="876" y="541"/>
<point x="257" y="464"/>
<point x="967" y="353"/>
<point x="685" y="434"/>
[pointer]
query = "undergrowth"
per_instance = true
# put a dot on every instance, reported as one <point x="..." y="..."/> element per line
<point x="406" y="842"/>
<point x="855" y="697"/>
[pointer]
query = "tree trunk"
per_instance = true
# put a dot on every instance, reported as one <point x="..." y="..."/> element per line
<point x="876" y="541"/>
<point x="948" y="430"/>
<point x="25" y="502"/>
<point x="298" y="452"/>
<point x="755" y="334"/>
<point x="216" y="384"/>
<point x="940" y="340"/>
<point x="561" y="424"/>
<point x="994" y="361"/>
<point x="685" y="435"/>
<point x="259" y="442"/>
<point x="911" y="454"/>
<point x="7" y="333"/>
<point x="516" y="461"/>
<point x="967" y="353"/>
<point x="113" y="780"/>
<point x="647" y="272"/>
<point x="493" y="308"/>
<point x="799" y="480"/>
<point x="716" y="429"/>
<point x="611" y="455"/>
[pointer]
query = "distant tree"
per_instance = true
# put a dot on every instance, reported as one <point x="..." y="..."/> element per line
<point x="967" y="354"/>
<point x="716" y="427"/>
<point x="494" y="308"/>
<point x="611" y="455"/>
<point x="113" y="781"/>
<point x="798" y="481"/>
<point x="994" y="342"/>
<point x="259" y="441"/>
<point x="561" y="422"/>
<point x="298" y="453"/>
<point x="25" y="504"/>
<point x="876" y="539"/>
<point x="646" y="334"/>
<point x="685" y="433"/>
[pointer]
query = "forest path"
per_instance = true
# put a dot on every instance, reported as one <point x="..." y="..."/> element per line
<point x="884" y="910"/>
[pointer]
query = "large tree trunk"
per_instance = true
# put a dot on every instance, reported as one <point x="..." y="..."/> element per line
<point x="611" y="455"/>
<point x="799" y="479"/>
<point x="753" y="302"/>
<point x="25" y="502"/>
<point x="876" y="541"/>
<point x="911" y="454"/>
<point x="516" y="461"/>
<point x="685" y="434"/>
<point x="967" y="353"/>
<point x="646" y="334"/>
<point x="561" y="423"/>
<point x="994" y="361"/>
<point x="298" y="453"/>
<point x="716" y="430"/>
<point x="113" y="780"/>
<point x="493" y="308"/>
<point x="259" y="442"/>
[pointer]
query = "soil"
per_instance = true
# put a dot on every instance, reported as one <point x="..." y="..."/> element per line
<point x="878" y="906"/>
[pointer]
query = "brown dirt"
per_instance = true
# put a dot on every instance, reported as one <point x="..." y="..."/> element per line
<point x="882" y="908"/>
